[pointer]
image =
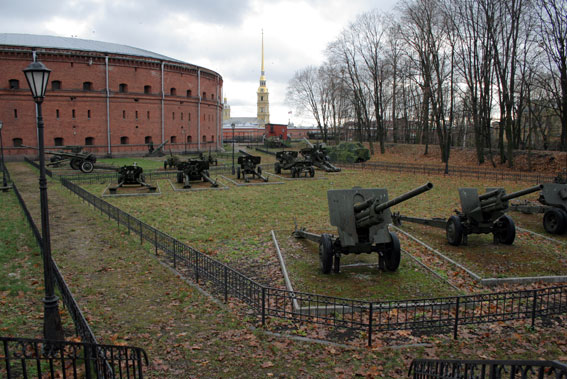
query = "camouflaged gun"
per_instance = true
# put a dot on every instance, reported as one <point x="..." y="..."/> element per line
<point x="361" y="216"/>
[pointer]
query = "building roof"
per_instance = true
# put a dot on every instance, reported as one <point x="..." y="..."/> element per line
<point x="66" y="43"/>
<point x="240" y="122"/>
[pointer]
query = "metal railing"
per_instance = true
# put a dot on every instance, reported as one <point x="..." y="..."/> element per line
<point x="453" y="171"/>
<point x="37" y="358"/>
<point x="493" y="369"/>
<point x="439" y="314"/>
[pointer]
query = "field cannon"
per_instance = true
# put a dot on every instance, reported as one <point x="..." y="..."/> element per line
<point x="288" y="160"/>
<point x="317" y="154"/>
<point x="78" y="158"/>
<point x="249" y="166"/>
<point x="172" y="161"/>
<point x="480" y="214"/>
<point x="361" y="216"/>
<point x="131" y="175"/>
<point x="194" y="170"/>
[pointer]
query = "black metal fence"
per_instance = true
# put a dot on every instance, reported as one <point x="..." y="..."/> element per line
<point x="439" y="314"/>
<point x="82" y="327"/>
<point x="453" y="171"/>
<point x="37" y="358"/>
<point x="493" y="369"/>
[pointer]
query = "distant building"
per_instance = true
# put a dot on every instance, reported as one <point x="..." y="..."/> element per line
<point x="225" y="110"/>
<point x="263" y="102"/>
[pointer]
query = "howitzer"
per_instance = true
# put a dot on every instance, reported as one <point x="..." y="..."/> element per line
<point x="361" y="216"/>
<point x="77" y="158"/>
<point x="287" y="160"/>
<point x="317" y="154"/>
<point x="158" y="151"/>
<point x="131" y="175"/>
<point x="249" y="166"/>
<point x="171" y="161"/>
<point x="480" y="214"/>
<point x="193" y="170"/>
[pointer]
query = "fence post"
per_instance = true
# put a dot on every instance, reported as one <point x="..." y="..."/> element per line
<point x="196" y="267"/>
<point x="263" y="306"/>
<point x="128" y="218"/>
<point x="155" y="239"/>
<point x="141" y="233"/>
<point x="370" y="316"/>
<point x="225" y="284"/>
<point x="456" y="318"/>
<point x="534" y="304"/>
<point x="87" y="353"/>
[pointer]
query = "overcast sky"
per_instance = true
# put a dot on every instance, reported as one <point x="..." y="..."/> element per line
<point x="222" y="35"/>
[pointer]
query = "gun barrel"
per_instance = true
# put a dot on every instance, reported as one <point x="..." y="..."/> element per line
<point x="245" y="153"/>
<point x="490" y="194"/>
<point x="360" y="207"/>
<point x="523" y="192"/>
<point x="308" y="143"/>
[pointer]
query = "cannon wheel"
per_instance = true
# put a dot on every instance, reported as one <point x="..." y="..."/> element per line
<point x="555" y="221"/>
<point x="393" y="257"/>
<point x="454" y="231"/>
<point x="293" y="172"/>
<point x="278" y="168"/>
<point x="326" y="253"/>
<point x="311" y="172"/>
<point x="75" y="163"/>
<point x="180" y="177"/>
<point x="87" y="167"/>
<point x="505" y="230"/>
<point x="238" y="173"/>
<point x="259" y="170"/>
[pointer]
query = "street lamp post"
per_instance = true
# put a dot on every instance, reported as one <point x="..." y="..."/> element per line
<point x="37" y="76"/>
<point x="184" y="141"/>
<point x="4" y="180"/>
<point x="233" y="125"/>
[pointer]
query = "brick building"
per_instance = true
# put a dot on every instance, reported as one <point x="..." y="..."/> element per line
<point x="111" y="98"/>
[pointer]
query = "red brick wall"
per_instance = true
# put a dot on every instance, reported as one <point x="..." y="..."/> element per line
<point x="180" y="116"/>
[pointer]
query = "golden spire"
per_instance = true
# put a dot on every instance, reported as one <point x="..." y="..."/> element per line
<point x="262" y="52"/>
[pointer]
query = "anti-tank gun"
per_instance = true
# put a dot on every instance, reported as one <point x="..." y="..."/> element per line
<point x="78" y="158"/>
<point x="361" y="216"/>
<point x="288" y="160"/>
<point x="480" y="214"/>
<point x="194" y="170"/>
<point x="249" y="166"/>
<point x="131" y="175"/>
<point x="318" y="155"/>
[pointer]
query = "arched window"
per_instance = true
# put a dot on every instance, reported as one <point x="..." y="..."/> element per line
<point x="17" y="142"/>
<point x="189" y="139"/>
<point x="213" y="138"/>
<point x="58" y="141"/>
<point x="124" y="140"/>
<point x="204" y="138"/>
<point x="173" y="139"/>
<point x="204" y="95"/>
<point x="89" y="141"/>
<point x="212" y="96"/>
<point x="148" y="139"/>
<point x="188" y="93"/>
<point x="14" y="84"/>
<point x="173" y="92"/>
<point x="87" y="86"/>
<point x="147" y="90"/>
<point x="55" y="85"/>
<point x="123" y="88"/>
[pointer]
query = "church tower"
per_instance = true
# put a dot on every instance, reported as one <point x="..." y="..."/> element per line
<point x="263" y="102"/>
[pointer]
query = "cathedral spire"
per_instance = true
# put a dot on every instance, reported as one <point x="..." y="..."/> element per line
<point x="262" y="52"/>
<point x="263" y="95"/>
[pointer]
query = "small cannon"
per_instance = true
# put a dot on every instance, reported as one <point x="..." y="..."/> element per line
<point x="249" y="166"/>
<point x="361" y="217"/>
<point x="481" y="214"/>
<point x="171" y="161"/>
<point x="130" y="175"/>
<point x="317" y="154"/>
<point x="193" y="170"/>
<point x="78" y="158"/>
<point x="158" y="151"/>
<point x="554" y="196"/>
<point x="287" y="160"/>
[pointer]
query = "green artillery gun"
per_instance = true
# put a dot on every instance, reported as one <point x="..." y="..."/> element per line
<point x="171" y="161"/>
<point x="287" y="160"/>
<point x="318" y="155"/>
<point x="249" y="166"/>
<point x="78" y="158"/>
<point x="362" y="216"/>
<point x="194" y="170"/>
<point x="210" y="158"/>
<point x="158" y="151"/>
<point x="553" y="199"/>
<point x="131" y="175"/>
<point x="481" y="214"/>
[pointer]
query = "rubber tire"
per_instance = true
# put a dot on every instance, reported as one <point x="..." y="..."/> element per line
<point x="75" y="163"/>
<point x="238" y="173"/>
<point x="259" y="170"/>
<point x="87" y="167"/>
<point x="507" y="235"/>
<point x="326" y="254"/>
<point x="393" y="257"/>
<point x="278" y="168"/>
<point x="555" y="221"/>
<point x="454" y="230"/>
<point x="311" y="172"/>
